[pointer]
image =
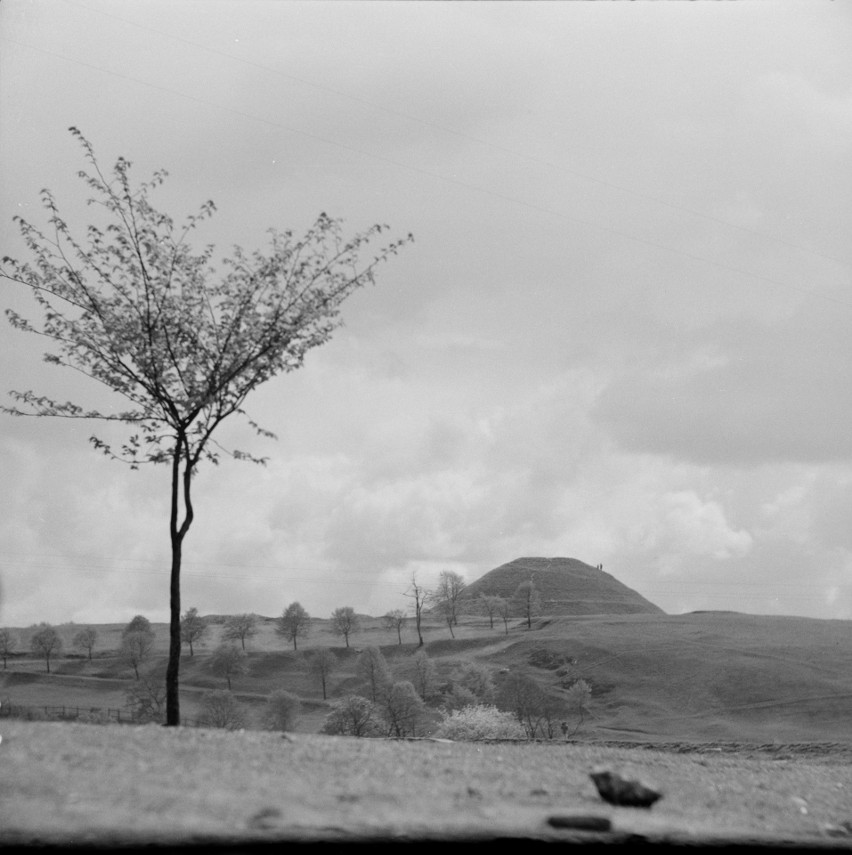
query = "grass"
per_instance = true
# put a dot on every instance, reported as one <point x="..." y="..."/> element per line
<point x="72" y="784"/>
<point x="698" y="677"/>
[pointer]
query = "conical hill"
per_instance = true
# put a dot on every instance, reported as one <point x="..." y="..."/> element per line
<point x="567" y="587"/>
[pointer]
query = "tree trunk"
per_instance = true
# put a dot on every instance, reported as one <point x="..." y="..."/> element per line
<point x="173" y="667"/>
<point x="177" y="534"/>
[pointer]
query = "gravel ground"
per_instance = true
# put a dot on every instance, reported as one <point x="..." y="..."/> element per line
<point x="76" y="784"/>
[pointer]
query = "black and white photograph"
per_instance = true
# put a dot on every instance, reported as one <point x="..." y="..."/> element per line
<point x="425" y="420"/>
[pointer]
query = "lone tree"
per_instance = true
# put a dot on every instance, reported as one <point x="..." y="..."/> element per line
<point x="503" y="608"/>
<point x="86" y="639"/>
<point x="138" y="624"/>
<point x="239" y="628"/>
<point x="136" y="308"/>
<point x="419" y="594"/>
<point x="446" y="597"/>
<point x="46" y="642"/>
<point x="528" y="601"/>
<point x="136" y="648"/>
<point x="282" y="710"/>
<point x="490" y="605"/>
<point x="8" y="642"/>
<point x="320" y="664"/>
<point x="293" y="623"/>
<point x="344" y="622"/>
<point x="227" y="661"/>
<point x="192" y="629"/>
<point x="395" y="620"/>
<point x="372" y="667"/>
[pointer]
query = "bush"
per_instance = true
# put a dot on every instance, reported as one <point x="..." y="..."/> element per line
<point x="282" y="710"/>
<point x="477" y="722"/>
<point x="221" y="709"/>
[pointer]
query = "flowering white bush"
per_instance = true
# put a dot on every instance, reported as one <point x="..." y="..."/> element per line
<point x="480" y="721"/>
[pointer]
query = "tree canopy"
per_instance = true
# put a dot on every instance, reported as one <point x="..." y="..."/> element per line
<point x="180" y="338"/>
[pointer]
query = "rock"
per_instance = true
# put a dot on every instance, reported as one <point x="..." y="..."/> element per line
<point x="622" y="791"/>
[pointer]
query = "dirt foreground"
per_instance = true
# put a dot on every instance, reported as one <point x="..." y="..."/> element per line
<point x="89" y="785"/>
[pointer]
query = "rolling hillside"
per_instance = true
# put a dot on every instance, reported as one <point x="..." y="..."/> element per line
<point x="703" y="677"/>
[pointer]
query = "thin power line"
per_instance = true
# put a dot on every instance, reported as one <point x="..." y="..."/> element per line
<point x="460" y="134"/>
<point x="447" y="179"/>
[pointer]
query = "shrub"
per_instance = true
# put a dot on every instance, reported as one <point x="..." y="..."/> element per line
<point x="480" y="721"/>
<point x="221" y="709"/>
<point x="282" y="710"/>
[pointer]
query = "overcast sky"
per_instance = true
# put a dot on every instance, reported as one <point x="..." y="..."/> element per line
<point x="622" y="333"/>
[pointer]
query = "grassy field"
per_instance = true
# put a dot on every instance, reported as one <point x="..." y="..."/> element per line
<point x="742" y="722"/>
<point x="75" y="784"/>
<point x="700" y="677"/>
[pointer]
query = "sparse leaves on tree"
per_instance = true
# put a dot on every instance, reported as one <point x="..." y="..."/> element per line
<point x="344" y="622"/>
<point x="46" y="642"/>
<point x="294" y="623"/>
<point x="136" y="648"/>
<point x="282" y="711"/>
<point x="490" y="605"/>
<point x="192" y="629"/>
<point x="447" y="597"/>
<point x="354" y="716"/>
<point x="423" y="674"/>
<point x="8" y="643"/>
<point x="535" y="708"/>
<point x="221" y="709"/>
<point x="527" y="601"/>
<point x="321" y="664"/>
<point x="503" y="608"/>
<point x="86" y="639"/>
<point x="228" y="661"/>
<point x="240" y="628"/>
<point x="577" y="699"/>
<point x="146" y="698"/>
<point x="373" y="669"/>
<point x="420" y="595"/>
<point x="138" y="624"/>
<point x="403" y="709"/>
<point x="395" y="620"/>
<point x="183" y="341"/>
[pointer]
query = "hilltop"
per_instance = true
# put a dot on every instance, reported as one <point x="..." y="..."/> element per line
<point x="567" y="587"/>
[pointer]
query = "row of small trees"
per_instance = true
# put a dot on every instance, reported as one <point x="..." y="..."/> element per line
<point x="294" y="623"/>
